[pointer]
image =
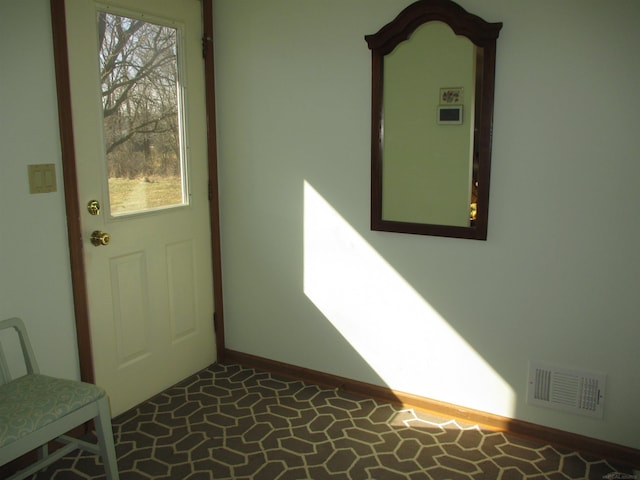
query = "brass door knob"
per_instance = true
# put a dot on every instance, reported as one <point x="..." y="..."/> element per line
<point x="99" y="238"/>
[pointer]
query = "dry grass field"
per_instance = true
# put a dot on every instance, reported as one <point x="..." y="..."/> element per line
<point x="133" y="195"/>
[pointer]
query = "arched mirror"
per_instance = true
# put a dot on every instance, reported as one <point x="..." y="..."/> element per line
<point x="433" y="70"/>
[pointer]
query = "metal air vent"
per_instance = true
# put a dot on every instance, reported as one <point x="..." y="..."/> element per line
<point x="565" y="389"/>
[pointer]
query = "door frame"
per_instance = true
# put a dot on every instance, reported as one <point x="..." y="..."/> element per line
<point x="72" y="200"/>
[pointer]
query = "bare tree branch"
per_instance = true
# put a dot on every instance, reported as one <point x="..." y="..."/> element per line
<point x="138" y="72"/>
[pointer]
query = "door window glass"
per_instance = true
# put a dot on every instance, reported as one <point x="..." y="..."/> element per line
<point x="142" y="121"/>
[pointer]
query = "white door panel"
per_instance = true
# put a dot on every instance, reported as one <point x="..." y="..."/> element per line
<point x="149" y="289"/>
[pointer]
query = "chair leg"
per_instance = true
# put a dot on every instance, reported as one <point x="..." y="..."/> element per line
<point x="43" y="451"/>
<point x="104" y="433"/>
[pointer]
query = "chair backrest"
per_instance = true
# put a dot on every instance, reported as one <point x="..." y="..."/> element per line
<point x="25" y="345"/>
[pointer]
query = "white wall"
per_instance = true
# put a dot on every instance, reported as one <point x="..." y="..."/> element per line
<point x="35" y="281"/>
<point x="308" y="283"/>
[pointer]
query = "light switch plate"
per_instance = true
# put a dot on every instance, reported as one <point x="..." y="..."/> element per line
<point x="42" y="178"/>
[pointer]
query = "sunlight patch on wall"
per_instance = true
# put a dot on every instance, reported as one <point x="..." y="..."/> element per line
<point x="395" y="330"/>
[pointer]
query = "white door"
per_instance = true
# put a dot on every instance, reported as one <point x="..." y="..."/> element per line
<point x="137" y="90"/>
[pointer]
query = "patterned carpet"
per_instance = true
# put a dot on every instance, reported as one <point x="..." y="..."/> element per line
<point x="230" y="422"/>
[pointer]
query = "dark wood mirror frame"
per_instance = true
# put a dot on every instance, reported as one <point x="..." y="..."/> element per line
<point x="483" y="35"/>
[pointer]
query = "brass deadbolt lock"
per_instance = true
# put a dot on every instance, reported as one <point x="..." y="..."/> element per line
<point x="94" y="207"/>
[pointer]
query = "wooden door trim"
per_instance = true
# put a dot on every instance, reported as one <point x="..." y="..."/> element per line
<point x="72" y="200"/>
<point x="212" y="149"/>
<point x="71" y="197"/>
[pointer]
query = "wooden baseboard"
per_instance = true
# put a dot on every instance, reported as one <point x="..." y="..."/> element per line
<point x="610" y="451"/>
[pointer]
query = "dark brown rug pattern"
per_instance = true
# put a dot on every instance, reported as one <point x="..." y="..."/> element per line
<point x="230" y="422"/>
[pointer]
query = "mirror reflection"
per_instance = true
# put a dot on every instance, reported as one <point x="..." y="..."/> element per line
<point x="432" y="106"/>
<point x="427" y="148"/>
